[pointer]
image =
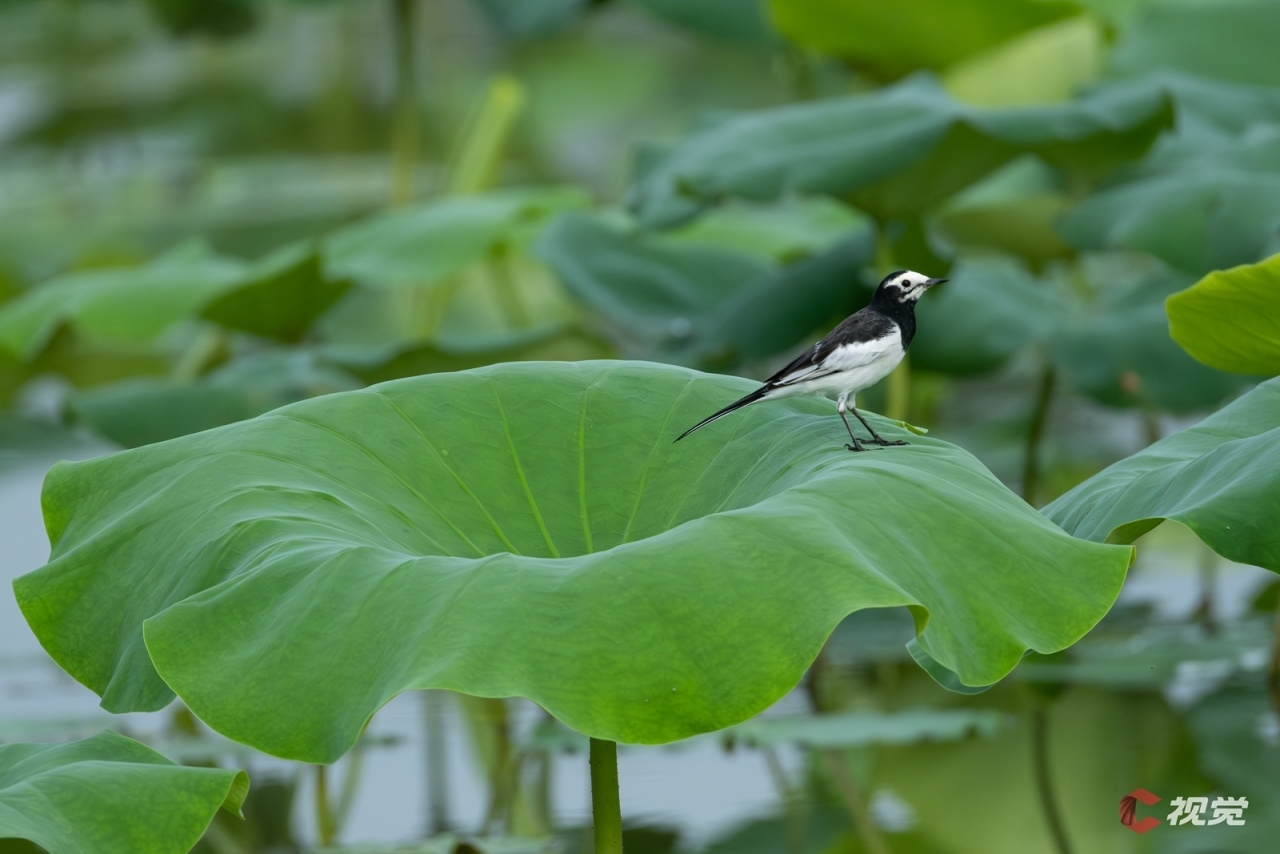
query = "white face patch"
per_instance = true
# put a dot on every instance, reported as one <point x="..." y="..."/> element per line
<point x="907" y="286"/>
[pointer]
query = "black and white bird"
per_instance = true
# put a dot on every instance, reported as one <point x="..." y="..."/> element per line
<point x="861" y="351"/>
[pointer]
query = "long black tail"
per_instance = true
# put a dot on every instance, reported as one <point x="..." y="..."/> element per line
<point x="737" y="404"/>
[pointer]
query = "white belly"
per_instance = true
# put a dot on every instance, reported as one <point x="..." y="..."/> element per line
<point x="853" y="368"/>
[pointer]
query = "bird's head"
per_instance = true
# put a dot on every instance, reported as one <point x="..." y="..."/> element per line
<point x="905" y="286"/>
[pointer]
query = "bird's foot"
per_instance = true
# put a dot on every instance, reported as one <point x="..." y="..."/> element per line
<point x="884" y="443"/>
<point x="858" y="447"/>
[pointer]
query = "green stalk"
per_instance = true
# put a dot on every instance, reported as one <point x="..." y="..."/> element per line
<point x="404" y="123"/>
<point x="606" y="806"/>
<point x="1035" y="433"/>
<point x="872" y="839"/>
<point x="1044" y="778"/>
<point x="792" y="803"/>
<point x="434" y="740"/>
<point x="325" y="828"/>
<point x="475" y="163"/>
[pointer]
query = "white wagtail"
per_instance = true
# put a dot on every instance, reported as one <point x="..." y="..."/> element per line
<point x="855" y="355"/>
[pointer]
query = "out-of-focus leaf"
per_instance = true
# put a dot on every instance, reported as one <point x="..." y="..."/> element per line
<point x="122" y="306"/>
<point x="533" y="18"/>
<point x="660" y="298"/>
<point x="1198" y="204"/>
<point x="110" y="795"/>
<point x="681" y="301"/>
<point x="1094" y="762"/>
<point x="374" y="364"/>
<point x="989" y="310"/>
<point x="858" y="729"/>
<point x="422" y="245"/>
<point x="1233" y="40"/>
<point x="893" y="152"/>
<point x="1047" y="64"/>
<point x="732" y="20"/>
<point x="893" y="40"/>
<point x="1023" y="227"/>
<point x="387" y="532"/>
<point x="1215" y="478"/>
<point x="141" y="411"/>
<point x="1235" y="732"/>
<point x="278" y="297"/>
<point x="1118" y="351"/>
<point x="1230" y="319"/>
<point x="786" y="231"/>
<point x="222" y="18"/>
<point x="1156" y="656"/>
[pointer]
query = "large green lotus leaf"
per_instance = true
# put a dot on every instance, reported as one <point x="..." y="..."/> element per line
<point x="702" y="304"/>
<point x="119" y="306"/>
<point x="532" y="530"/>
<point x="893" y="152"/>
<point x="1230" y="319"/>
<point x="1231" y="40"/>
<point x="1117" y="350"/>
<point x="893" y="40"/>
<point x="1217" y="478"/>
<point x="140" y="410"/>
<point x="110" y="795"/>
<point x="990" y="309"/>
<point x="1199" y="203"/>
<point x="279" y="297"/>
<point x="425" y="244"/>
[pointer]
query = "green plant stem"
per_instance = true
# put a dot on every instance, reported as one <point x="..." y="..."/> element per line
<point x="1044" y="778"/>
<point x="325" y="829"/>
<point x="504" y="285"/>
<point x="350" y="783"/>
<point x="1035" y="433"/>
<point x="404" y="124"/>
<point x="606" y="806"/>
<point x="792" y="804"/>
<point x="434" y="744"/>
<point x="872" y="840"/>
<point x="482" y="146"/>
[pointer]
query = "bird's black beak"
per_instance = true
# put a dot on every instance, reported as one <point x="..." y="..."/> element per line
<point x="928" y="283"/>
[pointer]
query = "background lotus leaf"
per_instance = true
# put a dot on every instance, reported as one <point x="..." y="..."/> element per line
<point x="110" y="795"/>
<point x="143" y="410"/>
<point x="702" y="304"/>
<point x="119" y="305"/>
<point x="1197" y="203"/>
<point x="893" y="152"/>
<point x="894" y="40"/>
<point x="1230" y="319"/>
<point x="288" y="575"/>
<point x="1190" y="37"/>
<point x="1215" y="478"/>
<point x="1116" y="348"/>
<point x="422" y="245"/>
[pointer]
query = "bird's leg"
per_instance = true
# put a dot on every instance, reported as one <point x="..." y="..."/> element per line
<point x="875" y="437"/>
<point x="857" y="445"/>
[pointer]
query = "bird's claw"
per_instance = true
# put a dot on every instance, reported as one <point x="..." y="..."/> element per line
<point x="884" y="443"/>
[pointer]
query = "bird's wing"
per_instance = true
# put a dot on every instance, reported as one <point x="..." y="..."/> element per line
<point x="862" y="338"/>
